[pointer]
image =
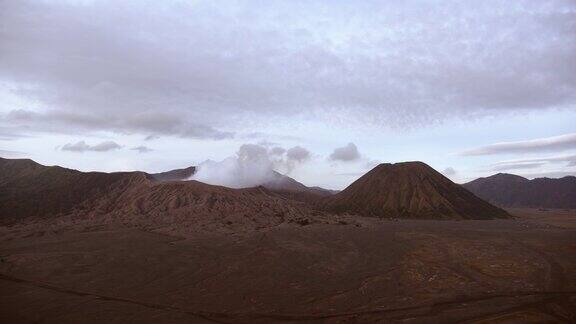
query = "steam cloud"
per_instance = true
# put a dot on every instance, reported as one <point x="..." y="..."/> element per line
<point x="253" y="165"/>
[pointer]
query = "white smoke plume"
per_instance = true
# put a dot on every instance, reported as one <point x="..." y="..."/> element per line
<point x="253" y="165"/>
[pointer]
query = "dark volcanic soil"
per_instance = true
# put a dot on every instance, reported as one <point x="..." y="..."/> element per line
<point x="406" y="271"/>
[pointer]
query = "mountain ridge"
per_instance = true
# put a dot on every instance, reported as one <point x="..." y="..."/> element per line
<point x="509" y="190"/>
<point x="30" y="191"/>
<point x="401" y="190"/>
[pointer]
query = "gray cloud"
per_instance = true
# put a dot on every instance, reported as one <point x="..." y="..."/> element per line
<point x="347" y="153"/>
<point x="9" y="154"/>
<point x="570" y="159"/>
<point x="556" y="143"/>
<point x="276" y="150"/>
<point x="548" y="159"/>
<point x="151" y="137"/>
<point x="297" y="154"/>
<point x="449" y="172"/>
<point x="10" y="133"/>
<point x="533" y="163"/>
<point x="516" y="166"/>
<point x="202" y="69"/>
<point x="141" y="122"/>
<point x="81" y="147"/>
<point x="266" y="136"/>
<point x="142" y="149"/>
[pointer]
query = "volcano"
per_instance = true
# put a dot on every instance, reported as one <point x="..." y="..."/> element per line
<point x="29" y="190"/>
<point x="278" y="183"/>
<point x="410" y="190"/>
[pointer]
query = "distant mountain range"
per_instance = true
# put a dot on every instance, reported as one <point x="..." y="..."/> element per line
<point x="29" y="190"/>
<point x="508" y="190"/>
<point x="401" y="190"/>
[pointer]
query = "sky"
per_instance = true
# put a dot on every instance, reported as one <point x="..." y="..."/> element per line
<point x="328" y="89"/>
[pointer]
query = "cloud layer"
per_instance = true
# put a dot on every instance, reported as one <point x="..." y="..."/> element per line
<point x="205" y="69"/>
<point x="11" y="154"/>
<point x="548" y="144"/>
<point x="81" y="147"/>
<point x="533" y="163"/>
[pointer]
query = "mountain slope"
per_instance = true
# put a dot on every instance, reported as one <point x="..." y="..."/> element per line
<point x="174" y="175"/>
<point x="410" y="190"/>
<point x="510" y="190"/>
<point x="29" y="190"/>
<point x="294" y="190"/>
<point x="280" y="184"/>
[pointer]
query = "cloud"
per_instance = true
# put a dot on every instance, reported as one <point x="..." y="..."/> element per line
<point x="276" y="150"/>
<point x="295" y="156"/>
<point x="547" y="159"/>
<point x="151" y="137"/>
<point x="347" y="153"/>
<point x="10" y="133"/>
<point x="516" y="166"/>
<point x="533" y="163"/>
<point x="267" y="136"/>
<point x="449" y="172"/>
<point x="569" y="159"/>
<point x="9" y="154"/>
<point x="140" y="122"/>
<point x="142" y="149"/>
<point x="81" y="147"/>
<point x="555" y="143"/>
<point x="205" y="70"/>
<point x="251" y="166"/>
<point x="298" y="154"/>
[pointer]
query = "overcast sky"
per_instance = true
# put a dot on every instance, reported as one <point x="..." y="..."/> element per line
<point x="472" y="88"/>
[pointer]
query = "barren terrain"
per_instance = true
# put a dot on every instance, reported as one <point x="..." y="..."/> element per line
<point x="520" y="270"/>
